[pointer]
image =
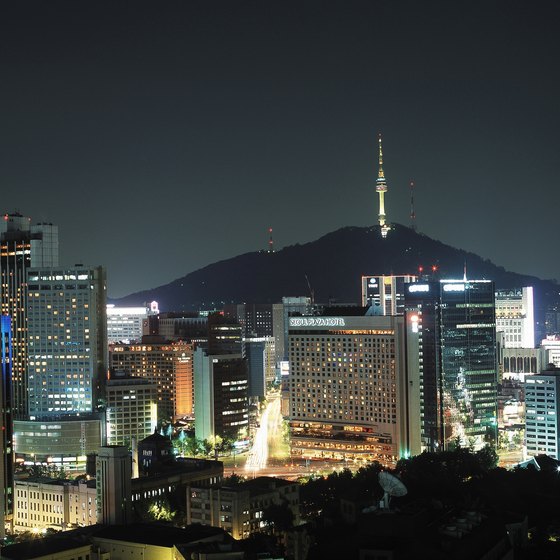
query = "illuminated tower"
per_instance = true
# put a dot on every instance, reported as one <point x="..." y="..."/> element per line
<point x="381" y="188"/>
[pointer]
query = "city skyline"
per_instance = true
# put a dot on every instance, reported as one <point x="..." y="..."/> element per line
<point x="162" y="140"/>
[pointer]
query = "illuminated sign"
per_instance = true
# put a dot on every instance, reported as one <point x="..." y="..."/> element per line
<point x="317" y="322"/>
<point x="284" y="368"/>
<point x="414" y="321"/>
<point x="454" y="287"/>
<point x="419" y="288"/>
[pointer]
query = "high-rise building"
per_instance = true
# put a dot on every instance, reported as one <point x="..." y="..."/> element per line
<point x="67" y="341"/>
<point x="281" y="312"/>
<point x="515" y="317"/>
<point x="167" y="364"/>
<point x="22" y="246"/>
<point x="131" y="409"/>
<point x="114" y="494"/>
<point x="220" y="395"/>
<point x="348" y="387"/>
<point x="261" y="364"/>
<point x="542" y="413"/>
<point x="255" y="318"/>
<point x="385" y="294"/>
<point x="6" y="449"/>
<point x="551" y="347"/>
<point x="452" y="362"/>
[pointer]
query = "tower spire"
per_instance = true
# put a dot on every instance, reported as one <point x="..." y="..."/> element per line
<point x="270" y="241"/>
<point x="381" y="188"/>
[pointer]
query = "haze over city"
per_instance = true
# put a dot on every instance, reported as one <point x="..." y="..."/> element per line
<point x="164" y="137"/>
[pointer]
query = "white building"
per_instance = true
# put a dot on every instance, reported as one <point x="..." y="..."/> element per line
<point x="542" y="413"/>
<point x="515" y="317"/>
<point x="124" y="324"/>
<point x="42" y="503"/>
<point x="551" y="347"/>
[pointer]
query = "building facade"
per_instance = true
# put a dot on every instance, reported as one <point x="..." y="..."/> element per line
<point x="452" y="362"/>
<point x="515" y="317"/>
<point x="385" y="294"/>
<point x="114" y="493"/>
<point x="22" y="246"/>
<point x="542" y="413"/>
<point x="67" y="334"/>
<point x="239" y="509"/>
<point x="125" y="324"/>
<point x="6" y="439"/>
<point x="348" y="388"/>
<point x="131" y="409"/>
<point x="167" y="364"/>
<point x="221" y="400"/>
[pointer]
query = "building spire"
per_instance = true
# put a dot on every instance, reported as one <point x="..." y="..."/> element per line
<point x="381" y="188"/>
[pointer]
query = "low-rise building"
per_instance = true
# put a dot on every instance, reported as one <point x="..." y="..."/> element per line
<point x="239" y="508"/>
<point x="41" y="503"/>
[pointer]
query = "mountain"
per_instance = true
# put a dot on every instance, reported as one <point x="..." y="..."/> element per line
<point x="333" y="264"/>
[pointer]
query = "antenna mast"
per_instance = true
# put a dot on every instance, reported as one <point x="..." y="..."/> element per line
<point x="412" y="213"/>
<point x="270" y="241"/>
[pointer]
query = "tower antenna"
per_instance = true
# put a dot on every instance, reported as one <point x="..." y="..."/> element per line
<point x="270" y="241"/>
<point x="412" y="213"/>
<point x="381" y="188"/>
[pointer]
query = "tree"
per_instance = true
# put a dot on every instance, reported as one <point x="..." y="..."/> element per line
<point x="193" y="446"/>
<point x="487" y="457"/>
<point x="279" y="516"/>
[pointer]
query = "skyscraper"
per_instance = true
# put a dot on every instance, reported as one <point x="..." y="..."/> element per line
<point x="452" y="361"/>
<point x="6" y="463"/>
<point x="22" y="246"/>
<point x="67" y="334"/>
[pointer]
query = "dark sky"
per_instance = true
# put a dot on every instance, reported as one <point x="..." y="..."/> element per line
<point x="164" y="136"/>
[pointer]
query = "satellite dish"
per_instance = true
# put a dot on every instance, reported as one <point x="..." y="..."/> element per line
<point x="392" y="487"/>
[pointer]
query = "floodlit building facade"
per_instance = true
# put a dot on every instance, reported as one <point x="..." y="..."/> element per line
<point x="348" y="388"/>
<point x="515" y="317"/>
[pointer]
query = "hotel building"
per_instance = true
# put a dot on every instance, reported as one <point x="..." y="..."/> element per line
<point x="348" y="387"/>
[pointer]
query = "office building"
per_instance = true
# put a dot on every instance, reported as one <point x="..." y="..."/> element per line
<point x="348" y="387"/>
<point x="255" y="318"/>
<point x="167" y="364"/>
<point x="174" y="327"/>
<point x="542" y="413"/>
<point x="22" y="246"/>
<point x="551" y="348"/>
<point x="131" y="409"/>
<point x="281" y="313"/>
<point x="64" y="443"/>
<point x="114" y="494"/>
<point x="515" y="317"/>
<point x="220" y="395"/>
<point x="261" y="365"/>
<point x="239" y="509"/>
<point x="385" y="294"/>
<point x="452" y="362"/>
<point x="6" y="443"/>
<point x="517" y="363"/>
<point x="67" y="341"/>
<point x="125" y="324"/>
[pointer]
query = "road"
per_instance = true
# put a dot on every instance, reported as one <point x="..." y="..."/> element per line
<point x="268" y="431"/>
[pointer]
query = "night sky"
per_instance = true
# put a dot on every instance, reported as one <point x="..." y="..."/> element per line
<point x="165" y="136"/>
